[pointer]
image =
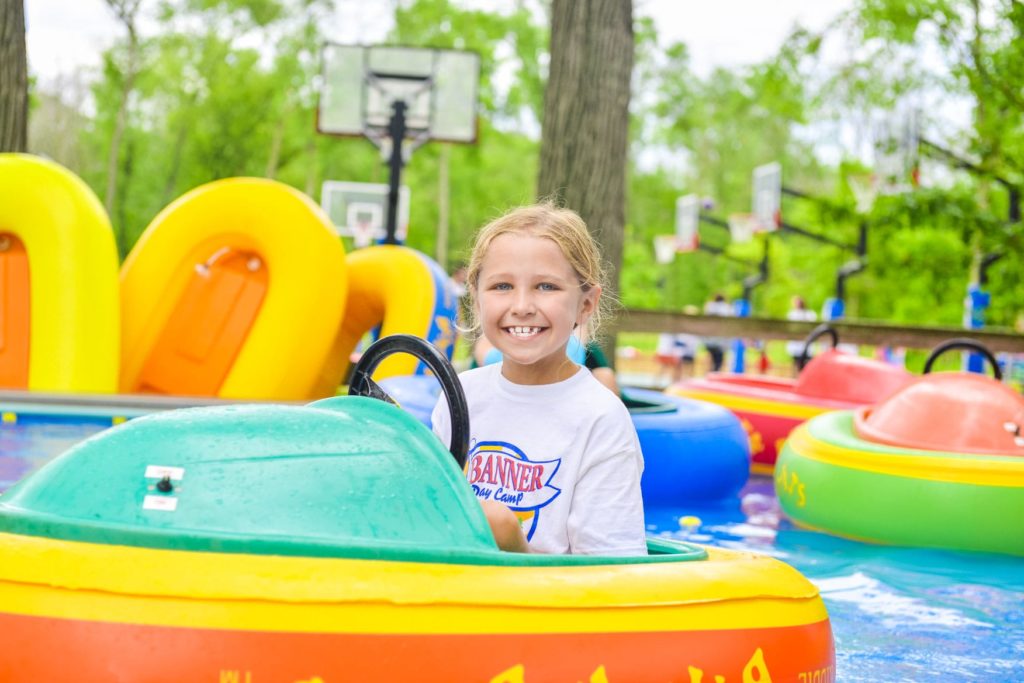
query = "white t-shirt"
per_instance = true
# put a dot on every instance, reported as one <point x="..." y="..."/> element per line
<point x="564" y="456"/>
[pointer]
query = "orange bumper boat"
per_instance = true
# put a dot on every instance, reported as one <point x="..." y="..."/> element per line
<point x="771" y="407"/>
<point x="940" y="464"/>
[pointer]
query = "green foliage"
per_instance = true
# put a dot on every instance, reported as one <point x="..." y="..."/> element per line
<point x="228" y="87"/>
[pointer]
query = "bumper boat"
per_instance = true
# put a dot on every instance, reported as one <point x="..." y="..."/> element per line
<point x="771" y="407"/>
<point x="938" y="464"/>
<point x="694" y="452"/>
<point x="340" y="541"/>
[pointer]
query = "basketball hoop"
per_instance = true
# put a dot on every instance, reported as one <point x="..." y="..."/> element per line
<point x="398" y="98"/>
<point x="664" y="248"/>
<point x="359" y="211"/>
<point x="743" y="227"/>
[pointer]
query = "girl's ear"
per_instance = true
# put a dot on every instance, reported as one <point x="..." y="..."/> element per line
<point x="588" y="305"/>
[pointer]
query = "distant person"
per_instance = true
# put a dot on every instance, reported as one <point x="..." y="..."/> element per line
<point x="675" y="354"/>
<point x="716" y="345"/>
<point x="798" y="311"/>
<point x="458" y="278"/>
<point x="458" y="281"/>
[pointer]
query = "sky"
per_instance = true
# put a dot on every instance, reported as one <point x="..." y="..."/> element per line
<point x="64" y="35"/>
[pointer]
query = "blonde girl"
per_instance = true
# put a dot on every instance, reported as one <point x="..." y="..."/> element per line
<point x="554" y="457"/>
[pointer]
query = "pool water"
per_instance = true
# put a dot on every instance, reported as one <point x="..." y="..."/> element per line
<point x="898" y="614"/>
<point x="30" y="441"/>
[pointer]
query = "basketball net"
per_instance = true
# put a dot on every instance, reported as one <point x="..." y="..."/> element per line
<point x="664" y="248"/>
<point x="864" y="187"/>
<point x="362" y="233"/>
<point x="742" y="227"/>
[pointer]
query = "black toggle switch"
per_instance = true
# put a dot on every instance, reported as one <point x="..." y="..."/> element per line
<point x="165" y="485"/>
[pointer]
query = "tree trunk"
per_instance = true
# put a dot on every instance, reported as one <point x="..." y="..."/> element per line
<point x="119" y="125"/>
<point x="13" y="78"/>
<point x="126" y="11"/>
<point x="274" y="160"/>
<point x="585" y="132"/>
<point x="443" y="205"/>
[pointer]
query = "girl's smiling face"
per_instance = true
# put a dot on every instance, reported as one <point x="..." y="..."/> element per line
<point x="530" y="300"/>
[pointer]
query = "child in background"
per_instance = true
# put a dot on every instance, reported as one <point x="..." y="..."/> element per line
<point x="554" y="457"/>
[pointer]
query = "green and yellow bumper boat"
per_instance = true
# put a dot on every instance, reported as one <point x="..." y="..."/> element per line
<point x="340" y="542"/>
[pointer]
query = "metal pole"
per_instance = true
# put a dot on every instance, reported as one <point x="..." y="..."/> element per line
<point x="396" y="131"/>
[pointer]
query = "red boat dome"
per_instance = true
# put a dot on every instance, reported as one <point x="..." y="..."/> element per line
<point x="958" y="411"/>
<point x="847" y="377"/>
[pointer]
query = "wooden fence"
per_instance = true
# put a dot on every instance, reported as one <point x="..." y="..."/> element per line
<point x="856" y="332"/>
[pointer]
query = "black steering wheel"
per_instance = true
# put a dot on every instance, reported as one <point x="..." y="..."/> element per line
<point x="969" y="345"/>
<point x="362" y="383"/>
<point x="816" y="333"/>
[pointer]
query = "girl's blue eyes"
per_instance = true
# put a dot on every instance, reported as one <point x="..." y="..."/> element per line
<point x="544" y="286"/>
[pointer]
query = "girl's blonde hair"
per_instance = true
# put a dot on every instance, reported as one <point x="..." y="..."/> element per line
<point x="562" y="226"/>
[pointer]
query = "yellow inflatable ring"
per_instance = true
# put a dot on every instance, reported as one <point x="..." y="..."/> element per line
<point x="59" y="314"/>
<point x="404" y="292"/>
<point x="235" y="290"/>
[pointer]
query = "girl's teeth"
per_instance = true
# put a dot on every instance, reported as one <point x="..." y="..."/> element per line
<point x="523" y="331"/>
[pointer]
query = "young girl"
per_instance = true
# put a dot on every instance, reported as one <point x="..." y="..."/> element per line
<point x="554" y="457"/>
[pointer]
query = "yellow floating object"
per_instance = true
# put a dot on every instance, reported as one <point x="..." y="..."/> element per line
<point x="404" y="292"/>
<point x="740" y="615"/>
<point x="59" y="311"/>
<point x="235" y="290"/>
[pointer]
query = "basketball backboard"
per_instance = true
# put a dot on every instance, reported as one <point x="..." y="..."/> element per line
<point x="361" y="83"/>
<point x="359" y="210"/>
<point x="896" y="152"/>
<point x="767" y="196"/>
<point x="687" y="223"/>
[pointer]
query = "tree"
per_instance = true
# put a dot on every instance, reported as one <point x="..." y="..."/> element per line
<point x="13" y="77"/>
<point x="127" y="13"/>
<point x="585" y="131"/>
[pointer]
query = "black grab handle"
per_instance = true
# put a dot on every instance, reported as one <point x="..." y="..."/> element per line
<point x="966" y="344"/>
<point x="816" y="333"/>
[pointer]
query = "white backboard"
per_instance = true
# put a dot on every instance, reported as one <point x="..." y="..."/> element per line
<point x="360" y="83"/>
<point x="896" y="152"/>
<point x="767" y="196"/>
<point x="359" y="210"/>
<point x="687" y="223"/>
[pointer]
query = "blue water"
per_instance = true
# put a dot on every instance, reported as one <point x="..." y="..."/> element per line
<point x="898" y="614"/>
<point x="31" y="441"/>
